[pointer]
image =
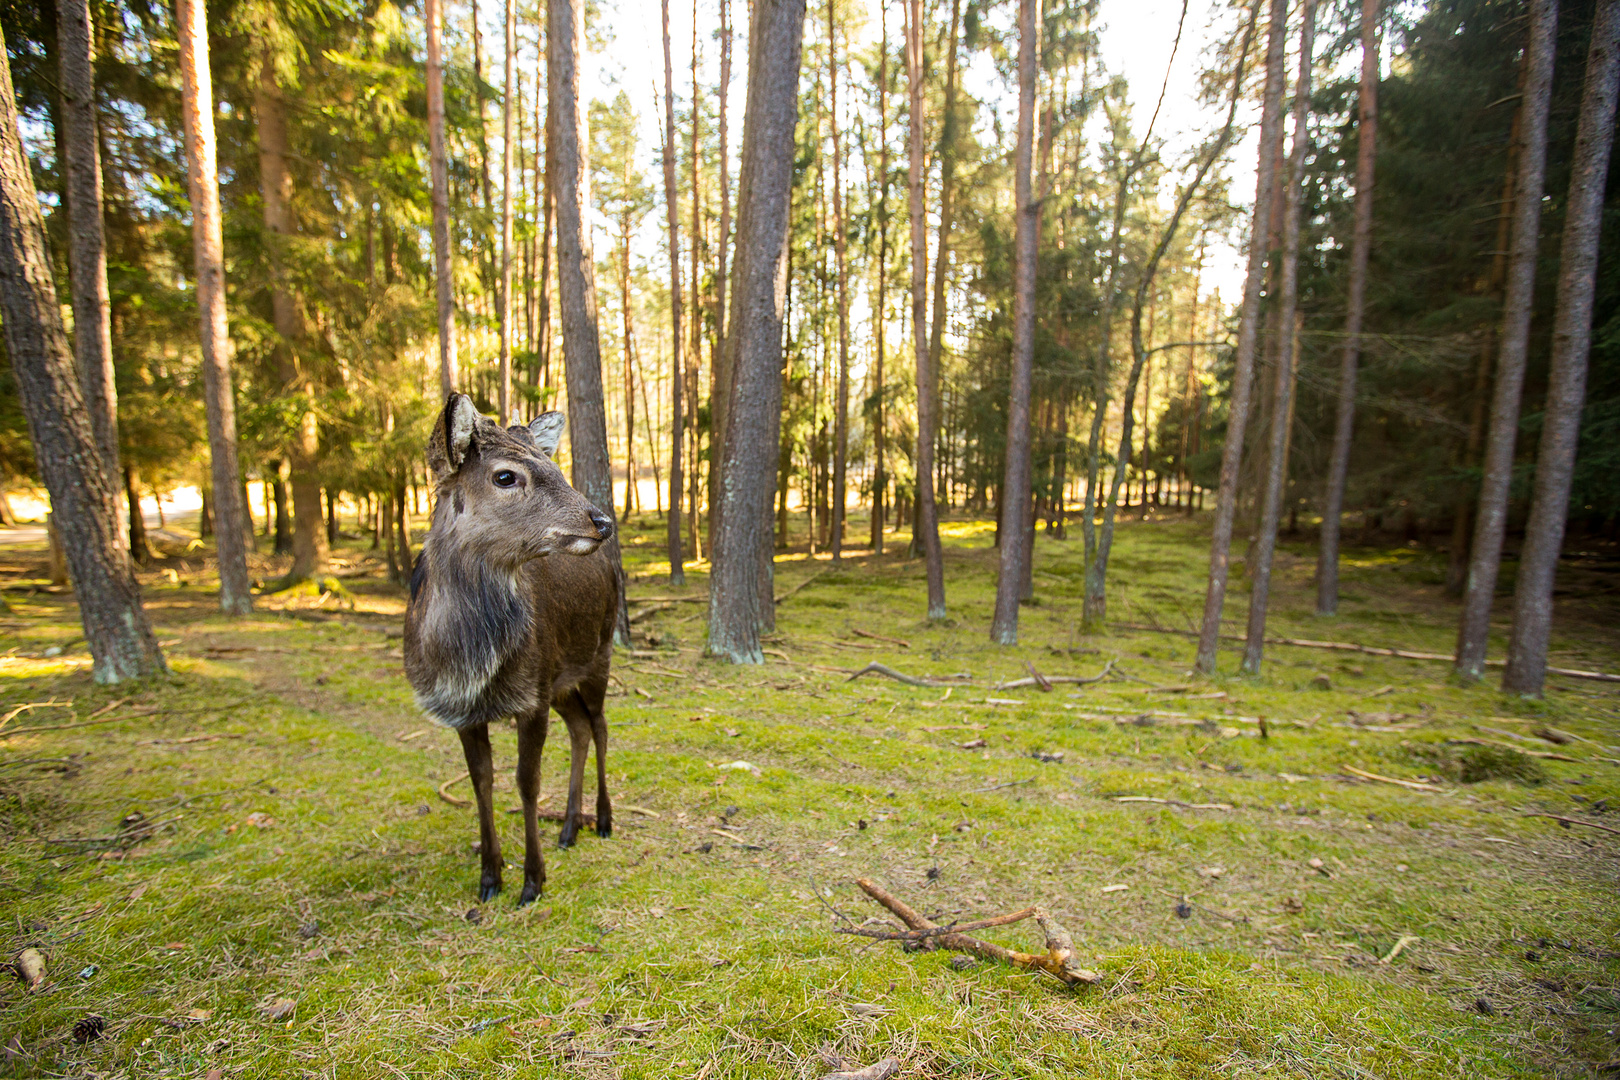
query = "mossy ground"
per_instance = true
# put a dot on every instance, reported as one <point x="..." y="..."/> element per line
<point x="301" y="852"/>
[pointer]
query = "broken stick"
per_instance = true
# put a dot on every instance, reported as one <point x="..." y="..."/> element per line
<point x="1074" y="680"/>
<point x="875" y="668"/>
<point x="878" y="1070"/>
<point x="1058" y="961"/>
<point x="1568" y="821"/>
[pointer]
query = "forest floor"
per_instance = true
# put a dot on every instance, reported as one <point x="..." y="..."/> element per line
<point x="247" y="871"/>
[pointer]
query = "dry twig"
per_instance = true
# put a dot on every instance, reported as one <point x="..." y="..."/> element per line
<point x="1568" y="821"/>
<point x="879" y="637"/>
<point x="875" y="668"/>
<point x="1058" y="960"/>
<point x="1410" y="785"/>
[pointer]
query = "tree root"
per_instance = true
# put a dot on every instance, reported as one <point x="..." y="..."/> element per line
<point x="1058" y="960"/>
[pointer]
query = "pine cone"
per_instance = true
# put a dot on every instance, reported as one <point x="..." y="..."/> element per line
<point x="89" y="1029"/>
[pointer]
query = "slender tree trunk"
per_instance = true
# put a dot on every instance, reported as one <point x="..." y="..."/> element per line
<point x="483" y="133"/>
<point x="310" y="550"/>
<point x="84" y="507"/>
<point x="677" y="571"/>
<point x="1572" y="341"/>
<point x="947" y="196"/>
<point x="504" y="399"/>
<point x="630" y="472"/>
<point x="1327" y="562"/>
<point x="740" y="588"/>
<point x="1220" y="546"/>
<point x="1015" y="511"/>
<point x="434" y="16"/>
<point x="87" y="247"/>
<point x="720" y="360"/>
<point x="576" y="276"/>
<point x="927" y="517"/>
<point x="694" y="351"/>
<point x="1486" y="557"/>
<point x="139" y="548"/>
<point x="840" y="241"/>
<point x="880" y="478"/>
<point x="235" y="591"/>
<point x="1094" y="604"/>
<point x="1283" y="397"/>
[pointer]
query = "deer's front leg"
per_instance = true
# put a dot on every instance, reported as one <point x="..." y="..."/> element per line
<point x="531" y="741"/>
<point x="481" y="770"/>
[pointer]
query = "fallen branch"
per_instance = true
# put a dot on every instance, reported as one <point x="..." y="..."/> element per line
<point x="25" y="706"/>
<point x="452" y="799"/>
<point x="666" y="600"/>
<point x="650" y="610"/>
<point x="1058" y="961"/>
<point x="1547" y="754"/>
<point x="80" y="724"/>
<point x="1400" y="943"/>
<point x="1370" y="650"/>
<point x="1411" y="785"/>
<point x="1568" y="821"/>
<point x="799" y="586"/>
<point x="875" y="668"/>
<point x="1073" y="680"/>
<point x="880" y="637"/>
<point x="1174" y="802"/>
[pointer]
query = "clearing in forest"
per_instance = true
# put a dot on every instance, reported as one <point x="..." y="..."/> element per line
<point x="249" y="871"/>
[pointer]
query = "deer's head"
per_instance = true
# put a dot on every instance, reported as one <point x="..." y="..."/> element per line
<point x="501" y="499"/>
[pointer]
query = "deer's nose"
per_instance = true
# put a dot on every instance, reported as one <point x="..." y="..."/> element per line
<point x="603" y="523"/>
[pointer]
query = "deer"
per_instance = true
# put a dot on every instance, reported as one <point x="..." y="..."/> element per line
<point x="511" y="614"/>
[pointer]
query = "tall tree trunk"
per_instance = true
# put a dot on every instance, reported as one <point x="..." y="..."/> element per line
<point x="926" y="529"/>
<point x="1220" y="545"/>
<point x="1572" y="341"/>
<point x="840" y="240"/>
<point x="721" y="360"/>
<point x="482" y="129"/>
<point x="1485" y="559"/>
<point x="434" y="15"/>
<point x="880" y="479"/>
<point x="87" y="247"/>
<point x="1015" y="509"/>
<point x="576" y="274"/>
<point x="507" y="149"/>
<point x="84" y="507"/>
<point x="677" y="570"/>
<point x="1094" y="604"/>
<point x="235" y="591"/>
<point x="694" y="351"/>
<point x="1282" y="413"/>
<point x="310" y="549"/>
<point x="139" y="548"/>
<point x="1327" y="560"/>
<point x="630" y="470"/>
<point x="740" y="588"/>
<point x="947" y="192"/>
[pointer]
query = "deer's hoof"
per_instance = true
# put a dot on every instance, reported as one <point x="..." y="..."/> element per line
<point x="570" y="832"/>
<point x="531" y="892"/>
<point x="488" y="891"/>
<point x="605" y="829"/>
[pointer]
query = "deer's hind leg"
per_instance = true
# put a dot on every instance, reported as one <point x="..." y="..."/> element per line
<point x="481" y="771"/>
<point x="577" y="717"/>
<point x="531" y="742"/>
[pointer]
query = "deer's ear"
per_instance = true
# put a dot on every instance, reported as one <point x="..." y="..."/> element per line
<point x="547" y="429"/>
<point x="453" y="435"/>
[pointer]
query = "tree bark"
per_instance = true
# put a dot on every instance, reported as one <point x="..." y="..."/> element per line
<point x="721" y="380"/>
<point x="507" y="147"/>
<point x="1282" y="414"/>
<point x="309" y="546"/>
<point x="840" y="241"/>
<point x="630" y="468"/>
<point x="739" y="590"/>
<point x="677" y="570"/>
<point x="1572" y="341"/>
<point x="1015" y="510"/>
<point x="87" y="247"/>
<point x="433" y="14"/>
<point x="694" y="350"/>
<point x="1485" y="559"/>
<point x="880" y="479"/>
<point x="235" y="591"/>
<point x="927" y="516"/>
<point x="84" y="507"/>
<point x="576" y="274"/>
<point x="1327" y="562"/>
<point x="947" y="191"/>
<point x="1220" y="546"/>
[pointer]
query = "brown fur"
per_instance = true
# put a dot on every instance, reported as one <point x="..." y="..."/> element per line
<point x="511" y="614"/>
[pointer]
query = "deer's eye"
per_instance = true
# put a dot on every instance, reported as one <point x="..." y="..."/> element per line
<point x="506" y="478"/>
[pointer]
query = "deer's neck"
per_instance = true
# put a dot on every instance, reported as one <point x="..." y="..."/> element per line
<point x="473" y="619"/>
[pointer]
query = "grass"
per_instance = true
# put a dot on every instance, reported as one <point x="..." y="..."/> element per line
<point x="291" y="847"/>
